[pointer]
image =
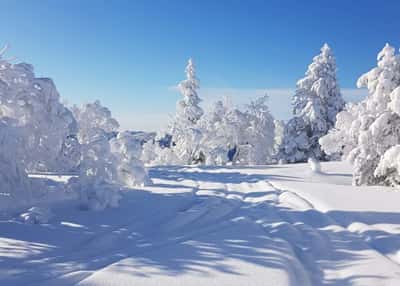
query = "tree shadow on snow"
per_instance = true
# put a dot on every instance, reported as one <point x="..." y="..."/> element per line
<point x="206" y="174"/>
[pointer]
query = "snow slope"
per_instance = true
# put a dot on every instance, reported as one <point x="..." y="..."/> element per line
<point x="270" y="225"/>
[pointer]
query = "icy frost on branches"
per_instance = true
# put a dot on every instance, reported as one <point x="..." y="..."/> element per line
<point x="315" y="104"/>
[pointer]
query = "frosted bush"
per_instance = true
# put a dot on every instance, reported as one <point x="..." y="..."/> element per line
<point x="389" y="166"/>
<point x="15" y="187"/>
<point x="35" y="105"/>
<point x="260" y="133"/>
<point x="223" y="128"/>
<point x="97" y="168"/>
<point x="127" y="150"/>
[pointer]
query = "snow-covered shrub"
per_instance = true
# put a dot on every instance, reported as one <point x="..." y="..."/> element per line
<point x="35" y="104"/>
<point x="149" y="153"/>
<point x="108" y="159"/>
<point x="127" y="150"/>
<point x="240" y="137"/>
<point x="279" y="132"/>
<point x="389" y="166"/>
<point x="366" y="131"/>
<point x="15" y="187"/>
<point x="159" y="151"/>
<point x="260" y="133"/>
<point x="223" y="128"/>
<point x="295" y="141"/>
<point x="97" y="168"/>
<point x="315" y="104"/>
<point x="343" y="138"/>
<point x="36" y="215"/>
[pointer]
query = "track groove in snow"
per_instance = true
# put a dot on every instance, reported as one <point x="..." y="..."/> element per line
<point x="359" y="230"/>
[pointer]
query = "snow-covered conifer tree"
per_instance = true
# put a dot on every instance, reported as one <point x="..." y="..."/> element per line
<point x="188" y="108"/>
<point x="368" y="130"/>
<point x="315" y="104"/>
<point x="185" y="134"/>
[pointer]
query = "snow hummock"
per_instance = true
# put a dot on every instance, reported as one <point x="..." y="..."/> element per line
<point x="36" y="215"/>
<point x="315" y="165"/>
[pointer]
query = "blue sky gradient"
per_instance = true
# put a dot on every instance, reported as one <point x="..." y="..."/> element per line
<point x="128" y="54"/>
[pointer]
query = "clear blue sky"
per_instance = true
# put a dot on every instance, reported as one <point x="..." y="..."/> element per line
<point x="128" y="54"/>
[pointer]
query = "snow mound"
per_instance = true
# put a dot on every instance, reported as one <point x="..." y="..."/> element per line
<point x="36" y="215"/>
<point x="314" y="165"/>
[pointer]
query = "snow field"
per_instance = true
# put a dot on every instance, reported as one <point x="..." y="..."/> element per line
<point x="277" y="225"/>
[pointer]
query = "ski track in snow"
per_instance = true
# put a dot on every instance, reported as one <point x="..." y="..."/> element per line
<point x="226" y="226"/>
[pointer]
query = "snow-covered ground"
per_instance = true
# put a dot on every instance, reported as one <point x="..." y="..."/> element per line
<point x="271" y="225"/>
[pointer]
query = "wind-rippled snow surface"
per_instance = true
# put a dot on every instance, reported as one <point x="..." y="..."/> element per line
<point x="271" y="225"/>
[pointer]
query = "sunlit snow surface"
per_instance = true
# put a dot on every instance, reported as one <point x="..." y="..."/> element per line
<point x="272" y="225"/>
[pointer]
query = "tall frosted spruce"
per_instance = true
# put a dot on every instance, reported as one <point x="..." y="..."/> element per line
<point x="185" y="134"/>
<point x="316" y="102"/>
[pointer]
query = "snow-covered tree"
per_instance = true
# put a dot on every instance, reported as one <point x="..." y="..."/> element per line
<point x="223" y="128"/>
<point x="97" y="169"/>
<point x="315" y="104"/>
<point x="35" y="104"/>
<point x="239" y="137"/>
<point x="130" y="170"/>
<point x="388" y="169"/>
<point x="154" y="154"/>
<point x="108" y="159"/>
<point x="188" y="108"/>
<point x="343" y="138"/>
<point x="185" y="134"/>
<point x="260" y="133"/>
<point x="279" y="132"/>
<point x="366" y="131"/>
<point x="14" y="182"/>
